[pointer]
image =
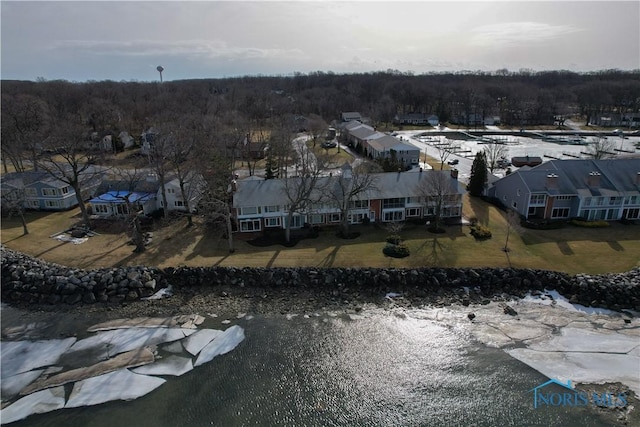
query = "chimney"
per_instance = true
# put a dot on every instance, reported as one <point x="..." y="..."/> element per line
<point x="454" y="173"/>
<point x="593" y="180"/>
<point x="234" y="185"/>
<point x="552" y="180"/>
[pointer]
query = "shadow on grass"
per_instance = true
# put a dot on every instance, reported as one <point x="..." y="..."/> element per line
<point x="330" y="259"/>
<point x="615" y="246"/>
<point x="50" y="249"/>
<point x="480" y="209"/>
<point x="565" y="248"/>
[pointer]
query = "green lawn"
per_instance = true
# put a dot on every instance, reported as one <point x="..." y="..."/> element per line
<point x="571" y="249"/>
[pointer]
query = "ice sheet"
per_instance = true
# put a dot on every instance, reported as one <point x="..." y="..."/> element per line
<point x="221" y="345"/>
<point x="595" y="368"/>
<point x="118" y="385"/>
<point x="585" y="340"/>
<point x="109" y="343"/>
<point x="196" y="342"/>
<point x="36" y="403"/>
<point x="172" y="365"/>
<point x="41" y="353"/>
<point x="11" y="386"/>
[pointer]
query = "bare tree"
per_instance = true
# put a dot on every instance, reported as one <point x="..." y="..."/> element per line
<point x="66" y="158"/>
<point x="513" y="222"/>
<point x="347" y="190"/>
<point x="13" y="203"/>
<point x="317" y="126"/>
<point x="444" y="151"/>
<point x="302" y="190"/>
<point x="25" y="120"/>
<point x="494" y="152"/>
<point x="181" y="159"/>
<point x="159" y="150"/>
<point x="215" y="166"/>
<point x="436" y="189"/>
<point x="601" y="148"/>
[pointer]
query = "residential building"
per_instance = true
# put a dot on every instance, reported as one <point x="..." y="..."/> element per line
<point x="350" y="116"/>
<point x="42" y="191"/>
<point x="262" y="204"/>
<point x="559" y="189"/>
<point x="193" y="188"/>
<point x="624" y="120"/>
<point x="416" y="119"/>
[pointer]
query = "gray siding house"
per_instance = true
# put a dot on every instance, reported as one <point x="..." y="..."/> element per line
<point x="590" y="189"/>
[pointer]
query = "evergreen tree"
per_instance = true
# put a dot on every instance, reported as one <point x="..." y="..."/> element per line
<point x="269" y="173"/>
<point x="479" y="175"/>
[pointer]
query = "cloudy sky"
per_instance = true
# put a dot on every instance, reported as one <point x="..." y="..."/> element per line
<point x="87" y="40"/>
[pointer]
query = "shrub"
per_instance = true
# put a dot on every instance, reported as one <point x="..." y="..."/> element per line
<point x="394" y="239"/>
<point x="480" y="232"/>
<point x="396" y="251"/>
<point x="542" y="224"/>
<point x="589" y="224"/>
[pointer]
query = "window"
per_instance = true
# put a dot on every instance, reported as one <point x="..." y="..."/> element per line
<point x="297" y="221"/>
<point x="65" y="190"/>
<point x="631" y="213"/>
<point x="334" y="217"/>
<point x="356" y="218"/>
<point x="393" y="203"/>
<point x="414" y="200"/>
<point x="253" y="210"/>
<point x="413" y="212"/>
<point x="615" y="200"/>
<point x="518" y="192"/>
<point x="537" y="199"/>
<point x="271" y="209"/>
<point x="49" y="192"/>
<point x="393" y="216"/>
<point x="359" y="204"/>
<point x="560" y="213"/>
<point x="250" y="225"/>
<point x="563" y="197"/>
<point x="631" y="200"/>
<point x="30" y="192"/>
<point x="587" y="201"/>
<point x="34" y="204"/>
<point x="52" y="203"/>
<point x="100" y="209"/>
<point x="612" y="214"/>
<point x="317" y="219"/>
<point x="514" y="204"/>
<point x="171" y="190"/>
<point x="179" y="203"/>
<point x="600" y="201"/>
<point x="272" y="222"/>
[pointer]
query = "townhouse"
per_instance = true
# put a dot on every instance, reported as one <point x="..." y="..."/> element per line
<point x="560" y="189"/>
<point x="395" y="196"/>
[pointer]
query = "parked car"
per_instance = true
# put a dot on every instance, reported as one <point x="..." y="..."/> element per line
<point x="453" y="162"/>
<point x="329" y="144"/>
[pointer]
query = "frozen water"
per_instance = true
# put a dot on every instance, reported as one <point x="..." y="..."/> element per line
<point x="174" y="347"/>
<point x="196" y="342"/>
<point x="172" y="365"/>
<point x="41" y="353"/>
<point x="595" y="368"/>
<point x="119" y="385"/>
<point x="109" y="343"/>
<point x="36" y="403"/>
<point x="11" y="386"/>
<point x="221" y="345"/>
<point x="521" y="330"/>
<point x="584" y="340"/>
<point x="490" y="336"/>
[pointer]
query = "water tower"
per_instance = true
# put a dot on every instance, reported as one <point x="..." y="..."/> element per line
<point x="160" y="69"/>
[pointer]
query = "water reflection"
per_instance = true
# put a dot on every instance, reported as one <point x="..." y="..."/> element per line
<point x="377" y="370"/>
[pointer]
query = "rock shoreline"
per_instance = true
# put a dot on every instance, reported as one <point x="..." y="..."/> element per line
<point x="28" y="281"/>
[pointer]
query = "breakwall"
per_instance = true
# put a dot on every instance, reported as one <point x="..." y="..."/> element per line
<point x="27" y="280"/>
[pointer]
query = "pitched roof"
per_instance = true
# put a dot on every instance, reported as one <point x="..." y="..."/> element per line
<point x="616" y="176"/>
<point x="387" y="185"/>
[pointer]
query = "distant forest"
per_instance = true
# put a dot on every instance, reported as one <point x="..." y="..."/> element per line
<point x="109" y="107"/>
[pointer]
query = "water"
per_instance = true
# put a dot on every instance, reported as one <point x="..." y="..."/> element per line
<point x="377" y="370"/>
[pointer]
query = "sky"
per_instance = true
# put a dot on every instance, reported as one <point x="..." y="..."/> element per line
<point x="116" y="40"/>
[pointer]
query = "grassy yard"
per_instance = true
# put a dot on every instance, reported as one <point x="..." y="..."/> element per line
<point x="333" y="156"/>
<point x="572" y="249"/>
